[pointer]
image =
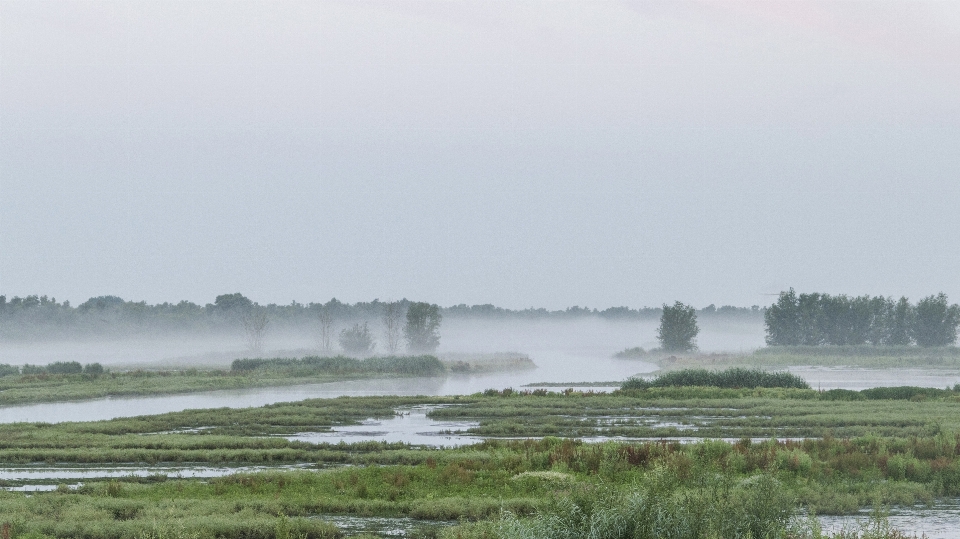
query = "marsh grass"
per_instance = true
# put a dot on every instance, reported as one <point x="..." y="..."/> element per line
<point x="728" y="379"/>
<point x="404" y="365"/>
<point x="560" y="486"/>
<point x="864" y="356"/>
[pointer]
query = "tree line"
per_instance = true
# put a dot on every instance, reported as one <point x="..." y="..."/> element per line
<point x="815" y="319"/>
<point x="36" y="317"/>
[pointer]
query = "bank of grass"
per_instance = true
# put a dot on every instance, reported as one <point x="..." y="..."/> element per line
<point x="864" y="356"/>
<point x="41" y="384"/>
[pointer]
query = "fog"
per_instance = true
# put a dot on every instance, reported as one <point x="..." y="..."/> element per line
<point x="560" y="348"/>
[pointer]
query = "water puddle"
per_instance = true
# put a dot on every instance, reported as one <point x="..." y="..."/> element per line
<point x="386" y="526"/>
<point x="411" y="425"/>
<point x="940" y="520"/>
<point x="42" y="478"/>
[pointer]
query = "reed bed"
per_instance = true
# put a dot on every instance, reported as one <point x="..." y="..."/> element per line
<point x="729" y="379"/>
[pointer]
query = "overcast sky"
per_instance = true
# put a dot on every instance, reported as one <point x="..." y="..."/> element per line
<point x="518" y="153"/>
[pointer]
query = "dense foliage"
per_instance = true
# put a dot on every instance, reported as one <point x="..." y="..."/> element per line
<point x="422" y="328"/>
<point x="817" y="319"/>
<point x="730" y="378"/>
<point x="357" y="340"/>
<point x="678" y="328"/>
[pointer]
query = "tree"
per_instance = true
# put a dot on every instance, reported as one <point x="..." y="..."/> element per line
<point x="255" y="323"/>
<point x="783" y="321"/>
<point x="900" y="323"/>
<point x="357" y="340"/>
<point x="936" y="321"/>
<point x="422" y="329"/>
<point x="392" y="316"/>
<point x="324" y="328"/>
<point x="227" y="303"/>
<point x="678" y="328"/>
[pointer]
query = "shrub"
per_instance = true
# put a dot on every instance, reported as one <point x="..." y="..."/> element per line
<point x="842" y="395"/>
<point x="631" y="353"/>
<point x="8" y="370"/>
<point x="729" y="379"/>
<point x="65" y="367"/>
<point x="93" y="368"/>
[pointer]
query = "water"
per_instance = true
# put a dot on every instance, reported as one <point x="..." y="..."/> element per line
<point x="46" y="478"/>
<point x="411" y="426"/>
<point x="41" y="473"/>
<point x="858" y="378"/>
<point x="940" y="520"/>
<point x="383" y="526"/>
<point x="552" y="368"/>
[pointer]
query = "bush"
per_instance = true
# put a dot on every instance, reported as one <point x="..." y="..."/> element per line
<point x="842" y="395"/>
<point x="903" y="393"/>
<point x="8" y="370"/>
<point x="65" y="367"/>
<point x="728" y="379"/>
<point x="93" y="368"/>
<point x="33" y="369"/>
<point x="357" y="340"/>
<point x="631" y="353"/>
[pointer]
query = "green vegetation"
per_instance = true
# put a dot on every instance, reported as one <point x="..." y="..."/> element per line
<point x="728" y="488"/>
<point x="885" y="445"/>
<point x="864" y="356"/>
<point x="631" y="353"/>
<point x="40" y="317"/>
<point x="422" y="330"/>
<point x="730" y="378"/>
<point x="357" y="340"/>
<point x="816" y="319"/>
<point x="40" y="384"/>
<point x="678" y="328"/>
<point x="404" y="365"/>
<point x="477" y="363"/>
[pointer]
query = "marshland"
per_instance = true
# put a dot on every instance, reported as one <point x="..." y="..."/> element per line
<point x="457" y="443"/>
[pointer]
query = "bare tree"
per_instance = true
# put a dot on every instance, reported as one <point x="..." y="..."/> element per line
<point x="255" y="323"/>
<point x="392" y="317"/>
<point x="325" y="329"/>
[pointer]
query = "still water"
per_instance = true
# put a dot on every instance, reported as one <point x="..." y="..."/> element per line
<point x="552" y="368"/>
<point x="940" y="520"/>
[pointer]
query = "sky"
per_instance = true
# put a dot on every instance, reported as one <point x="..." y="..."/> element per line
<point x="520" y="153"/>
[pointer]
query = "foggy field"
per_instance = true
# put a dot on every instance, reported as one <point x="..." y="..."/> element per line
<point x="586" y="337"/>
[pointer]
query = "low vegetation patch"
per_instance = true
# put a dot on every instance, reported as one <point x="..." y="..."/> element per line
<point x="405" y="365"/>
<point x="730" y="379"/>
<point x="632" y="353"/>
